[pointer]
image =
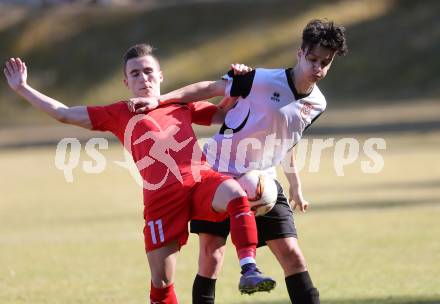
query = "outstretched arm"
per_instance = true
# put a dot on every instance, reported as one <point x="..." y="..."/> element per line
<point x="191" y="93"/>
<point x="202" y="90"/>
<point x="195" y="92"/>
<point x="16" y="74"/>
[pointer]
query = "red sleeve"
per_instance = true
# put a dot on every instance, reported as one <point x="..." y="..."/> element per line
<point x="202" y="112"/>
<point x="106" y="118"/>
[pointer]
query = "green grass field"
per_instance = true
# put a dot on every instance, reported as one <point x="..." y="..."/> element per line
<point x="368" y="238"/>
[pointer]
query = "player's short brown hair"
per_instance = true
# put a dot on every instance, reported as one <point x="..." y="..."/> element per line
<point x="325" y="34"/>
<point x="139" y="50"/>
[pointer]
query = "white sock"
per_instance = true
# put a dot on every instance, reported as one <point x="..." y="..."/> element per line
<point x="247" y="260"/>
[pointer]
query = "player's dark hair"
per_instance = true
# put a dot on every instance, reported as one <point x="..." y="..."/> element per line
<point x="138" y="50"/>
<point x="325" y="34"/>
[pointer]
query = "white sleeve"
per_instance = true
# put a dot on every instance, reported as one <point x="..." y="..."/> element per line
<point x="228" y="87"/>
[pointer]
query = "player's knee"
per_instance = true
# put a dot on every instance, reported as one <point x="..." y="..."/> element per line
<point x="234" y="192"/>
<point x="217" y="255"/>
<point x="213" y="255"/>
<point x="210" y="267"/>
<point x="211" y="260"/>
<point x="228" y="191"/>
<point x="235" y="189"/>
<point x="161" y="282"/>
<point x="293" y="261"/>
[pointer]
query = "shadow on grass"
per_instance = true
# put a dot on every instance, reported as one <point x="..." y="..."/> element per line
<point x="418" y="126"/>
<point x="369" y="205"/>
<point x="390" y="186"/>
<point x="426" y="184"/>
<point x="370" y="301"/>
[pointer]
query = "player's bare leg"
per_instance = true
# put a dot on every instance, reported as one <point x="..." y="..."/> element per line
<point x="291" y="259"/>
<point x="288" y="254"/>
<point x="162" y="263"/>
<point x="231" y="198"/>
<point x="228" y="190"/>
<point x="211" y="255"/>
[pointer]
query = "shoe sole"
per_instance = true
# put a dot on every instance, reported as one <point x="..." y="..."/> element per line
<point x="262" y="286"/>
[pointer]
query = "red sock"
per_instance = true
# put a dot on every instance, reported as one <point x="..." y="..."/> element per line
<point x="243" y="227"/>
<point x="163" y="295"/>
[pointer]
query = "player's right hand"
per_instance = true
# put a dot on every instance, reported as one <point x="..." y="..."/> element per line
<point x="16" y="73"/>
<point x="240" y="69"/>
<point x="142" y="104"/>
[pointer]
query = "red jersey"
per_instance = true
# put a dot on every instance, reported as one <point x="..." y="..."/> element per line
<point x="161" y="142"/>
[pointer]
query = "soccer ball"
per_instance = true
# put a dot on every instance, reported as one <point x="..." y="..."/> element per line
<point x="261" y="191"/>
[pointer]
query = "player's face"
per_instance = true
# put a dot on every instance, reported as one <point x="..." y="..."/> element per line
<point x="314" y="63"/>
<point x="143" y="76"/>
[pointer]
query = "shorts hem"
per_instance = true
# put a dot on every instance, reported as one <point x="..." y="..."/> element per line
<point x="278" y="237"/>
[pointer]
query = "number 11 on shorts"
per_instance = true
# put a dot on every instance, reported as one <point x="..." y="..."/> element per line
<point x="158" y="223"/>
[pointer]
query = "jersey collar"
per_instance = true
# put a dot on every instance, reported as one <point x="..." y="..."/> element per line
<point x="292" y="85"/>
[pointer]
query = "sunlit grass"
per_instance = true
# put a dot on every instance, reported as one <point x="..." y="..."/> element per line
<point x="367" y="238"/>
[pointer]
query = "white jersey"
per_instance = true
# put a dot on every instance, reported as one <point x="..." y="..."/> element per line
<point x="267" y="121"/>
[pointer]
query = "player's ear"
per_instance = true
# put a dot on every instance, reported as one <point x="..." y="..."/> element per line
<point x="125" y="81"/>
<point x="161" y="76"/>
<point x="299" y="53"/>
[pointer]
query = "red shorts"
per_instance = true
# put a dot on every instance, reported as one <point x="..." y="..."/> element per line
<point x="168" y="212"/>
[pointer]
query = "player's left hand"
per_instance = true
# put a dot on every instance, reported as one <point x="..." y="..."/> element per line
<point x="297" y="200"/>
<point x="142" y="104"/>
<point x="240" y="69"/>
